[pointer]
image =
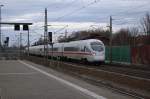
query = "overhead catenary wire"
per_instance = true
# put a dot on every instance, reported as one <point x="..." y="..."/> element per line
<point x="130" y="9"/>
<point x="76" y="10"/>
<point x="125" y="11"/>
<point x="68" y="4"/>
<point x="125" y="21"/>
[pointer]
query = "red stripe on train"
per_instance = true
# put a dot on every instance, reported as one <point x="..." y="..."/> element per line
<point x="70" y="52"/>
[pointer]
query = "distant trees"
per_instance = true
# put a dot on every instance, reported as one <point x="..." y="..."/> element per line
<point x="122" y="37"/>
<point x="39" y="42"/>
<point x="145" y="22"/>
<point x="125" y="36"/>
<point x="89" y="34"/>
<point x="134" y="31"/>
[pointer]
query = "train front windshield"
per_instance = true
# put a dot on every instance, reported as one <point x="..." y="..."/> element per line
<point x="97" y="46"/>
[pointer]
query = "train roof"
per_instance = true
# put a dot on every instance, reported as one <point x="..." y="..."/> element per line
<point x="87" y="40"/>
<point x="79" y="41"/>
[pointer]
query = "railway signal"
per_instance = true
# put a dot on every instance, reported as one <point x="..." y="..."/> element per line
<point x="17" y="27"/>
<point x="50" y="37"/>
<point x="6" y="42"/>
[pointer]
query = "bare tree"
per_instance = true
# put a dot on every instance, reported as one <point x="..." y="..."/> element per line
<point x="134" y="32"/>
<point x="146" y="23"/>
<point x="122" y="37"/>
<point x="86" y="34"/>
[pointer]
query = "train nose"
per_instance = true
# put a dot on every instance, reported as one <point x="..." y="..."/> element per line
<point x="100" y="54"/>
<point x="99" y="57"/>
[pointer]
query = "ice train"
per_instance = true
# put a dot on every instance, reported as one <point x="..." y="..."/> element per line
<point x="91" y="50"/>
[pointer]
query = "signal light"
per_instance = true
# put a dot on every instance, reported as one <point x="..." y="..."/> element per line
<point x="17" y="27"/>
<point x="25" y="27"/>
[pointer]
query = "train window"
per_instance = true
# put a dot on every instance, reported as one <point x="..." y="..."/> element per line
<point x="97" y="46"/>
<point x="55" y="49"/>
<point x="40" y="49"/>
<point x="83" y="50"/>
<point x="87" y="49"/>
<point x="50" y="49"/>
<point x="71" y="49"/>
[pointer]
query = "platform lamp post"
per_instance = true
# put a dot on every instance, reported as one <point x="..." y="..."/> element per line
<point x="0" y="25"/>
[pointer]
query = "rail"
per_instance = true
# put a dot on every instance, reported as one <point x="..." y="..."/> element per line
<point x="136" y="86"/>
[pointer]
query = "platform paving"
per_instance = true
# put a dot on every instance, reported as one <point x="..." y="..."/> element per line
<point x="26" y="80"/>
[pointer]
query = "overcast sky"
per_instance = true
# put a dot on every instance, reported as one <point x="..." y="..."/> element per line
<point x="76" y="14"/>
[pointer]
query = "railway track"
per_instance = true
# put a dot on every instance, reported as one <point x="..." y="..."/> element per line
<point x="129" y="79"/>
<point x="130" y="71"/>
<point x="122" y="71"/>
<point x="142" y="72"/>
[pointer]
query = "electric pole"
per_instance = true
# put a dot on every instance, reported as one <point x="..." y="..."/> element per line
<point x="20" y="44"/>
<point x="0" y="25"/>
<point x="45" y="37"/>
<point x="66" y="34"/>
<point x="110" y="40"/>
<point x="28" y="41"/>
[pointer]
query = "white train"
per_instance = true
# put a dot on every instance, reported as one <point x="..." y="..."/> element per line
<point x="91" y="50"/>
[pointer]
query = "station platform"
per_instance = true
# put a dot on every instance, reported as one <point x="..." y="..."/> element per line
<point x="20" y="79"/>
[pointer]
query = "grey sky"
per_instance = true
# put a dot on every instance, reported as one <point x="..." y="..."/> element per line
<point x="77" y="14"/>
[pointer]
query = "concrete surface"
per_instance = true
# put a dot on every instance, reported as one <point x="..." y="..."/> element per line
<point x="26" y="80"/>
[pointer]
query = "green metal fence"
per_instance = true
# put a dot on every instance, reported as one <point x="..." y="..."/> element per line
<point x="119" y="54"/>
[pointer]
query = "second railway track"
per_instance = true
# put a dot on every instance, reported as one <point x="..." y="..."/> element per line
<point x="136" y="72"/>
